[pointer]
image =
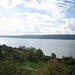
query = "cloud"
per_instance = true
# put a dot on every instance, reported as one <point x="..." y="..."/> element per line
<point x="52" y="7"/>
<point x="4" y="3"/>
<point x="71" y="0"/>
<point x="31" y="24"/>
<point x="15" y="3"/>
<point x="68" y="27"/>
<point x="10" y="3"/>
<point x="37" y="19"/>
<point x="10" y="25"/>
<point x="16" y="26"/>
<point x="35" y="25"/>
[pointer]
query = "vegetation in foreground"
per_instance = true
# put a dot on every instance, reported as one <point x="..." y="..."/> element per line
<point x="31" y="61"/>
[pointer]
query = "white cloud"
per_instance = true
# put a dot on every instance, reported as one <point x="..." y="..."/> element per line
<point x="15" y="13"/>
<point x="71" y="0"/>
<point x="14" y="25"/>
<point x="16" y="2"/>
<point x="47" y="30"/>
<point x="53" y="7"/>
<point x="10" y="25"/>
<point x="18" y="26"/>
<point x="37" y="19"/>
<point x="4" y="3"/>
<point x="10" y="3"/>
<point x="66" y="28"/>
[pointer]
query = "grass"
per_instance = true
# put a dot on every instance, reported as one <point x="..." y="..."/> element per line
<point x="3" y="52"/>
<point x="33" y="64"/>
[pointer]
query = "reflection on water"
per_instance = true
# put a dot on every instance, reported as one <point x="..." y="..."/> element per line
<point x="60" y="47"/>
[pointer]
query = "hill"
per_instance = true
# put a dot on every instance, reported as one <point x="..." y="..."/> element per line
<point x="43" y="36"/>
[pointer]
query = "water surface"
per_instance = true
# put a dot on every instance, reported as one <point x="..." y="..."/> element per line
<point x="60" y="47"/>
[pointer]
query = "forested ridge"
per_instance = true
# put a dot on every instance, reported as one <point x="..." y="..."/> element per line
<point x="55" y="36"/>
<point x="31" y="61"/>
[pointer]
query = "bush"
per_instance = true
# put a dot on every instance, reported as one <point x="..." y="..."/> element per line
<point x="53" y="67"/>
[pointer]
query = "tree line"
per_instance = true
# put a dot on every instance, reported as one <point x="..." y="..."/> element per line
<point x="12" y="58"/>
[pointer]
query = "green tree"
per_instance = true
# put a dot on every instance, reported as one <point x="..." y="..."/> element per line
<point x="45" y="58"/>
<point x="52" y="67"/>
<point x="39" y="53"/>
<point x="53" y="55"/>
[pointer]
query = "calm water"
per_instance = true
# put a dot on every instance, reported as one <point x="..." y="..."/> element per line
<point x="60" y="47"/>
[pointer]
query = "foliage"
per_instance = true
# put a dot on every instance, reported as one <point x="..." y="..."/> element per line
<point x="33" y="64"/>
<point x="53" y="56"/>
<point x="70" y="63"/>
<point x="12" y="58"/>
<point x="10" y="68"/>
<point x="52" y="67"/>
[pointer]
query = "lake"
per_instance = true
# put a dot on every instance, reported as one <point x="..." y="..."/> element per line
<point x="48" y="46"/>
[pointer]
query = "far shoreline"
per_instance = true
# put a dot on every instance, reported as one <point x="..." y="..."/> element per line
<point x="63" y="37"/>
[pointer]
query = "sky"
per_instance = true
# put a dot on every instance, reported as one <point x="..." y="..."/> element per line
<point x="24" y="17"/>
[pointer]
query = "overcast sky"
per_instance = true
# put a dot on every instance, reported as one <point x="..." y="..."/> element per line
<point x="19" y="17"/>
